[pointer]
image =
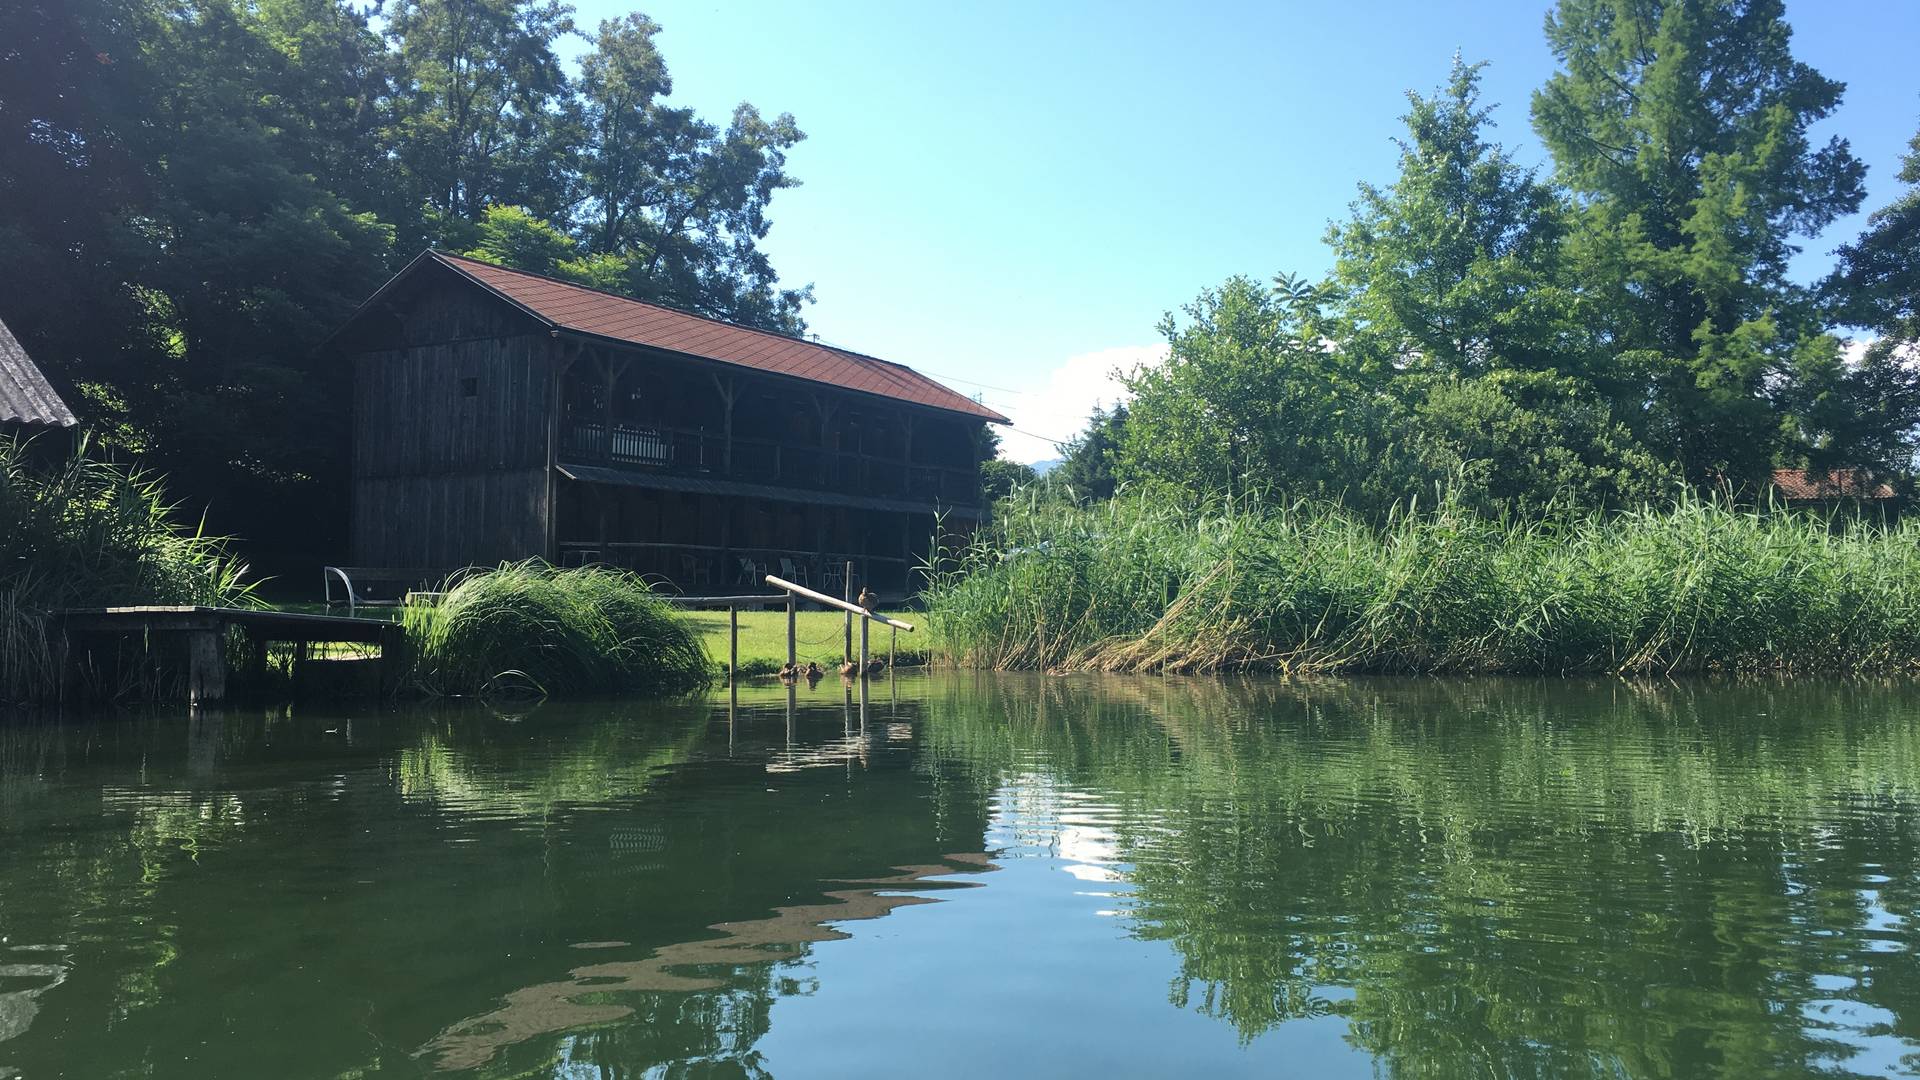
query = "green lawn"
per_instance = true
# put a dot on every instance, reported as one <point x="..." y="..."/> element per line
<point x="763" y="635"/>
<point x="817" y="635"/>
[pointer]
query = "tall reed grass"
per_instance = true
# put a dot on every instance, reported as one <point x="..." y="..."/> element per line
<point x="76" y="531"/>
<point x="531" y="628"/>
<point x="1144" y="584"/>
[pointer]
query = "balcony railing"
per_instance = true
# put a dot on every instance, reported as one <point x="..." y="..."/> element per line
<point x="761" y="461"/>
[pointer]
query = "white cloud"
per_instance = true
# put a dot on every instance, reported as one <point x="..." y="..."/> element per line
<point x="1058" y="405"/>
<point x="1854" y="351"/>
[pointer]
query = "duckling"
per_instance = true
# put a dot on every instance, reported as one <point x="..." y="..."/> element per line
<point x="867" y="599"/>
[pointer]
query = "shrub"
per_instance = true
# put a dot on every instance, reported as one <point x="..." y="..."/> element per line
<point x="529" y="627"/>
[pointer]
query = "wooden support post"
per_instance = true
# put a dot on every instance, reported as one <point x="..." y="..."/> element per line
<point x="726" y="389"/>
<point x="733" y="644"/>
<point x="864" y="624"/>
<point x="606" y="406"/>
<point x="563" y="355"/>
<point x="256" y="664"/>
<point x="791" y="606"/>
<point x="394" y="659"/>
<point x="846" y="644"/>
<point x="62" y="661"/>
<point x="892" y="648"/>
<point x="206" y="667"/>
<point x="823" y="409"/>
<point x="906" y="458"/>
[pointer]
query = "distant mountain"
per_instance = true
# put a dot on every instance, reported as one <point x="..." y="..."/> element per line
<point x="1042" y="468"/>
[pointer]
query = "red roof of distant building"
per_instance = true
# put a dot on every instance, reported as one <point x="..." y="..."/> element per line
<point x="566" y="306"/>
<point x="1833" y="484"/>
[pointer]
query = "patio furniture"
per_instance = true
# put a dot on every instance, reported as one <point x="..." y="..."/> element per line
<point x="695" y="570"/>
<point x="373" y="586"/>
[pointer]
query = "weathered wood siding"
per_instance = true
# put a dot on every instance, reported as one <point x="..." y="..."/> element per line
<point x="450" y="434"/>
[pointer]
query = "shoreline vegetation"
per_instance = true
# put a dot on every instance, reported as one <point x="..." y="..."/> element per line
<point x="76" y="531"/>
<point x="1140" y="584"/>
<point x="533" y="629"/>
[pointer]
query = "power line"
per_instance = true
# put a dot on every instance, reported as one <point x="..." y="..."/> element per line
<point x="976" y="382"/>
<point x="1057" y="443"/>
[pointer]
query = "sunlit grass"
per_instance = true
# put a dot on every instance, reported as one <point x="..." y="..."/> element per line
<point x="531" y="628"/>
<point x="1141" y="584"/>
<point x="817" y="634"/>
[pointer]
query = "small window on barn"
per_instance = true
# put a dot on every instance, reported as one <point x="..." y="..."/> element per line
<point x="470" y="387"/>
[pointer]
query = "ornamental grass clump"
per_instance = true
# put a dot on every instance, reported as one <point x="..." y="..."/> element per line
<point x="530" y="628"/>
<point x="76" y="531"/>
<point x="1148" y="584"/>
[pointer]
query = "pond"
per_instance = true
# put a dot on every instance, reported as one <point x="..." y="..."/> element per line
<point x="977" y="875"/>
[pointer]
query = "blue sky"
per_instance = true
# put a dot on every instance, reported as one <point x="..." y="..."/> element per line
<point x="1010" y="196"/>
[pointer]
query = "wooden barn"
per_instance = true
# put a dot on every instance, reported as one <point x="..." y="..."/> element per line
<point x="499" y="415"/>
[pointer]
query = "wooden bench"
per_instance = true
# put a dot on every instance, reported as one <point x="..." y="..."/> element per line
<point x="375" y="586"/>
<point x="205" y="629"/>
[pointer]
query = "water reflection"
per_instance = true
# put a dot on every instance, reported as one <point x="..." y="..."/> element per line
<point x="585" y="998"/>
<point x="1409" y="878"/>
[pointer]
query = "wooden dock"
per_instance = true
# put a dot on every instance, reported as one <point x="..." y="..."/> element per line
<point x="205" y="630"/>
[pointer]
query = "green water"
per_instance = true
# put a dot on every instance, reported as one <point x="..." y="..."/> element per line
<point x="983" y="876"/>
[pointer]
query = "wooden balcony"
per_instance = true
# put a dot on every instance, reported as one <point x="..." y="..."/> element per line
<point x="693" y="567"/>
<point x="703" y="453"/>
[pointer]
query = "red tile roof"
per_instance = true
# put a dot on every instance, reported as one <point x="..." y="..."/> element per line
<point x="1834" y="484"/>
<point x="573" y="307"/>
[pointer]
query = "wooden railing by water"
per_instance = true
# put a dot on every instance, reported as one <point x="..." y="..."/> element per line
<point x="791" y="594"/>
<point x="866" y="618"/>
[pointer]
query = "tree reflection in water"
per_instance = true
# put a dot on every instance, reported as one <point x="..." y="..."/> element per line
<point x="1506" y="878"/>
<point x="1483" y="878"/>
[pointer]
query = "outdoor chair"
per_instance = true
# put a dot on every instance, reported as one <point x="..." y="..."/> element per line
<point x="795" y="572"/>
<point x="695" y="570"/>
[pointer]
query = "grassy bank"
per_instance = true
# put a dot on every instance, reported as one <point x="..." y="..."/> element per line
<point x="529" y="628"/>
<point x="817" y="635"/>
<point x="80" y="532"/>
<point x="1137" y="584"/>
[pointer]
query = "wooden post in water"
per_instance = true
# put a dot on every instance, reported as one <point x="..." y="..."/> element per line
<point x="893" y="646"/>
<point x="846" y="645"/>
<point x="791" y="657"/>
<point x="864" y="623"/>
<point x="733" y="644"/>
<point x="206" y="667"/>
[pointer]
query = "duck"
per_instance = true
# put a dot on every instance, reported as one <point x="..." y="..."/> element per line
<point x="788" y="672"/>
<point x="849" y="669"/>
<point x="876" y="666"/>
<point x="867" y="599"/>
<point x="812" y="673"/>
